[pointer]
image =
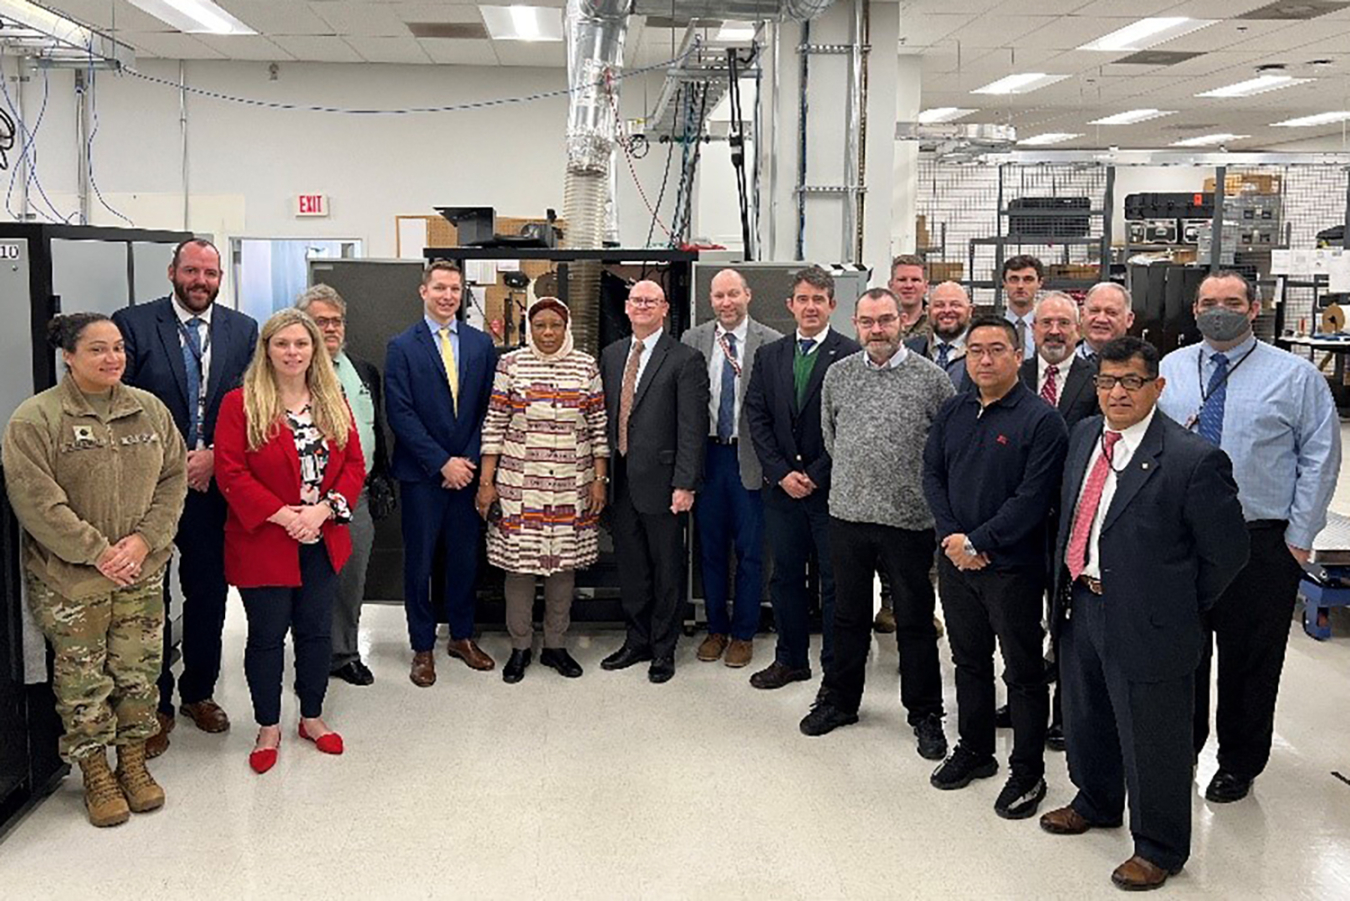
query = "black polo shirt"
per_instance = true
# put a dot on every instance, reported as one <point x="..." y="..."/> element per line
<point x="993" y="473"/>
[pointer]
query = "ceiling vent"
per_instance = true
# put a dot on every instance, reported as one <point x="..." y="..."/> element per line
<point x="1293" y="10"/>
<point x="1156" y="58"/>
<point x="457" y="30"/>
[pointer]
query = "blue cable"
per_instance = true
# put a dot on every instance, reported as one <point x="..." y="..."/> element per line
<point x="89" y="144"/>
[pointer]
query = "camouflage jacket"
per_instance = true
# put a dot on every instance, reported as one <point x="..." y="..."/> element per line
<point x="79" y="484"/>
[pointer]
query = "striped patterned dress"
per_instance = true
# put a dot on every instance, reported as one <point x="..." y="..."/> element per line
<point x="546" y="422"/>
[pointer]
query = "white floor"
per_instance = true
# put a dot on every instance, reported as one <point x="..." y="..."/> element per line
<point x="609" y="787"/>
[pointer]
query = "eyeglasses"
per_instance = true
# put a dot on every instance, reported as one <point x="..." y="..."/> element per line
<point x="643" y="303"/>
<point x="996" y="352"/>
<point x="866" y="323"/>
<point x="1128" y="382"/>
<point x="330" y="321"/>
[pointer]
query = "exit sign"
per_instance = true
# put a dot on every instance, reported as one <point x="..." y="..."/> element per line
<point x="311" y="205"/>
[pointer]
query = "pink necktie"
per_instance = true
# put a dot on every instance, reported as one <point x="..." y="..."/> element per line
<point x="1076" y="559"/>
<point x="1050" y="390"/>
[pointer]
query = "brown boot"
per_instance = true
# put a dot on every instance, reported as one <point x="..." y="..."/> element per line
<point x="141" y="790"/>
<point x="102" y="798"/>
<point x="158" y="743"/>
<point x="885" y="621"/>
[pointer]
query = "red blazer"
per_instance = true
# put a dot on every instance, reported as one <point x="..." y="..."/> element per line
<point x="257" y="484"/>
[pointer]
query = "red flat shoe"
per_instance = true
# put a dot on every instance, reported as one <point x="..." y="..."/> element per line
<point x="262" y="759"/>
<point x="329" y="744"/>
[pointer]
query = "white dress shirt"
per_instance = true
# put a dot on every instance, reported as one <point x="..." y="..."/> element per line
<point x="819" y="339"/>
<point x="204" y="342"/>
<point x="1121" y="455"/>
<point x="896" y="359"/>
<point x="648" y="343"/>
<point x="716" y="361"/>
<point x="1042" y="372"/>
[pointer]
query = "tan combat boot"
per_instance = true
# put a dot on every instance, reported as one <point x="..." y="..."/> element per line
<point x="140" y="788"/>
<point x="102" y="797"/>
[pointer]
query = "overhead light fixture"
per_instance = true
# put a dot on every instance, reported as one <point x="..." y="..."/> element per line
<point x="1145" y="33"/>
<point x="1259" y="85"/>
<point x="523" y="23"/>
<point x="1050" y="137"/>
<point x="736" y="32"/>
<point x="1021" y="83"/>
<point x="1319" y="119"/>
<point x="194" y="16"/>
<point x="39" y="18"/>
<point x="1130" y="117"/>
<point x="943" y="114"/>
<point x="55" y="38"/>
<point x="1209" y="140"/>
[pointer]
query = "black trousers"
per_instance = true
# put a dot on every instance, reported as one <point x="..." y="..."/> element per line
<point x="906" y="556"/>
<point x="307" y="613"/>
<point x="1251" y="622"/>
<point x="1124" y="737"/>
<point x="797" y="531"/>
<point x="201" y="575"/>
<point x="980" y="606"/>
<point x="650" y="548"/>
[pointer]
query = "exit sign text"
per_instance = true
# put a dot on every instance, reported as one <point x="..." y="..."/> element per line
<point x="311" y="205"/>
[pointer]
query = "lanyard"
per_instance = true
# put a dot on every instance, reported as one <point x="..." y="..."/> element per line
<point x="1200" y="380"/>
<point x="197" y="355"/>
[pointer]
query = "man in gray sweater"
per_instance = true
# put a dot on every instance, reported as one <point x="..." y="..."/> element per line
<point x="876" y="409"/>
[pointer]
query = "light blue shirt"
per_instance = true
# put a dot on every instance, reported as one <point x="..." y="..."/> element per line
<point x="362" y="405"/>
<point x="1280" y="429"/>
<point x="1029" y="342"/>
<point x="1085" y="351"/>
<point x="436" y="327"/>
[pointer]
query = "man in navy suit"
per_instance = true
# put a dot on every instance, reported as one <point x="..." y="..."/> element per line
<point x="1151" y="533"/>
<point x="438" y="379"/>
<point x="782" y="408"/>
<point x="189" y="352"/>
<point x="949" y="312"/>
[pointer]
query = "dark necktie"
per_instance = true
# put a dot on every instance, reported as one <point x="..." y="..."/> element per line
<point x="192" y="362"/>
<point x="726" y="401"/>
<point x="801" y="369"/>
<point x="944" y="350"/>
<point x="1211" y="414"/>
<point x="1076" y="558"/>
<point x="1021" y="327"/>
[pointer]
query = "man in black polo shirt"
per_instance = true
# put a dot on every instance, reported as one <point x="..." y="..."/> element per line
<point x="992" y="469"/>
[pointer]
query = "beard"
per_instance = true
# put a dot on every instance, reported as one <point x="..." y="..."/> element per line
<point x="1054" y="354"/>
<point x="181" y="291"/>
<point x="950" y="334"/>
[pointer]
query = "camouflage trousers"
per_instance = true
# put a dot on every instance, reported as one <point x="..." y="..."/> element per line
<point x="108" y="650"/>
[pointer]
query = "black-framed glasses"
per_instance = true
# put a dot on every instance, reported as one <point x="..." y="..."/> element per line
<point x="1130" y="382"/>
<point x="324" y="322"/>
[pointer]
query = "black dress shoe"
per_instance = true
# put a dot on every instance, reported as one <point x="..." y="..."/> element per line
<point x="625" y="657"/>
<point x="825" y="717"/>
<point x="514" y="670"/>
<point x="1003" y="717"/>
<point x="560" y="660"/>
<point x="661" y="670"/>
<point x="1054" y="738"/>
<point x="356" y="672"/>
<point x="1226" y="788"/>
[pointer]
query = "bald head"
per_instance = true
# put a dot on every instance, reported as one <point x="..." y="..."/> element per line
<point x="646" y="307"/>
<point x="949" y="310"/>
<point x="1106" y="314"/>
<point x="730" y="298"/>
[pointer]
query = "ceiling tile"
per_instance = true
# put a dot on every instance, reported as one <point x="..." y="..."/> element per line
<point x="318" y="49"/>
<point x="459" y="52"/>
<point x="1071" y="32"/>
<point x="244" y="46"/>
<point x="274" y="18"/>
<point x="104" y="14"/>
<point x="996" y="31"/>
<point x="432" y="11"/>
<point x="169" y="45"/>
<point x="361" y="19"/>
<point x="525" y="53"/>
<point x="926" y="30"/>
<point x="388" y="49"/>
<point x="1221" y="36"/>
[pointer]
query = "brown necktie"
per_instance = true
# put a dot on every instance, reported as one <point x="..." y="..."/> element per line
<point x="626" y="394"/>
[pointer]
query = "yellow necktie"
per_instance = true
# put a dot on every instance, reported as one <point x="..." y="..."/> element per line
<point x="451" y="369"/>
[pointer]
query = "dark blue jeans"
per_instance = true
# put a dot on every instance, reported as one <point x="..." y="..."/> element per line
<point x="799" y="531"/>
<point x="729" y="516"/>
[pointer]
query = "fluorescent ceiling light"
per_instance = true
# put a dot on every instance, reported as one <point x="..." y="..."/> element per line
<point x="736" y="32"/>
<point x="41" y="19"/>
<point x="523" y="23"/>
<point x="194" y="16"/>
<point x="1208" y="140"/>
<point x="1319" y="119"/>
<point x="1021" y="83"/>
<point x="1050" y="137"/>
<point x="1145" y="33"/>
<point x="943" y="114"/>
<point x="1258" y="85"/>
<point x="1132" y="116"/>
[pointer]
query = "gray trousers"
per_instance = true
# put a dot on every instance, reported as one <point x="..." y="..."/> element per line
<point x="557" y="608"/>
<point x="351" y="589"/>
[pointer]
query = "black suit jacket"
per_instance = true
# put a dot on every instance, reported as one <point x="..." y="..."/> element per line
<point x="922" y="344"/>
<point x="1077" y="396"/>
<point x="1172" y="540"/>
<point x="788" y="439"/>
<point x="370" y="377"/>
<point x="668" y="425"/>
<point x="155" y="357"/>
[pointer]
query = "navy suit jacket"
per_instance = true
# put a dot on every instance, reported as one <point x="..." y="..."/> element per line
<point x="155" y="357"/>
<point x="1172" y="540"/>
<point x="427" y="430"/>
<point x="956" y="369"/>
<point x="788" y="439"/>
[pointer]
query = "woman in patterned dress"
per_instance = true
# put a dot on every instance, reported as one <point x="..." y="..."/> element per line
<point x="289" y="462"/>
<point x="543" y="481"/>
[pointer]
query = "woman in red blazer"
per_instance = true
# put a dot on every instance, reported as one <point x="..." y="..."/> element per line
<point x="287" y="460"/>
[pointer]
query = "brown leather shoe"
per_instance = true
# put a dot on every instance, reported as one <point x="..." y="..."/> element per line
<point x="1064" y="821"/>
<point x="1140" y="875"/>
<point x="158" y="743"/>
<point x="471" y="654"/>
<point x="423" y="673"/>
<point x="885" y="621"/>
<point x="712" y="647"/>
<point x="207" y="715"/>
<point x="938" y="627"/>
<point x="739" y="653"/>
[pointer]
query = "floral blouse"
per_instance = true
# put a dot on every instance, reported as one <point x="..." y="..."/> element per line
<point x="313" y="451"/>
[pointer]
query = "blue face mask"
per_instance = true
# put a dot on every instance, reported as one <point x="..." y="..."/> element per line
<point x="1221" y="324"/>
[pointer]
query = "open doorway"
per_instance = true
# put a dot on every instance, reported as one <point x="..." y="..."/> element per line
<point x="270" y="273"/>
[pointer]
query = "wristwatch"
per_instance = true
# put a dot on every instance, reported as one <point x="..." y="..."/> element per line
<point x="969" y="549"/>
<point x="603" y="480"/>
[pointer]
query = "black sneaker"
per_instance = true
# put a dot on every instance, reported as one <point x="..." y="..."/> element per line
<point x="1003" y="717"/>
<point x="963" y="766"/>
<point x="932" y="740"/>
<point x="825" y="717"/>
<point x="1020" y="798"/>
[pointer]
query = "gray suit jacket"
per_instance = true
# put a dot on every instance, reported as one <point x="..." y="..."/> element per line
<point x="703" y="338"/>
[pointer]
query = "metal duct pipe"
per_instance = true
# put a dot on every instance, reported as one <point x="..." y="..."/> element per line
<point x="749" y="10"/>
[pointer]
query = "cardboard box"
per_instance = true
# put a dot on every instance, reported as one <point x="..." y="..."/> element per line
<point x="1075" y="271"/>
<point x="1247" y="183"/>
<point x="945" y="272"/>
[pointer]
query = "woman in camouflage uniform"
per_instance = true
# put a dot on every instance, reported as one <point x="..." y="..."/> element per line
<point x="96" y="474"/>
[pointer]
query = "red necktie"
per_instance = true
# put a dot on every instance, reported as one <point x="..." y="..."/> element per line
<point x="1050" y="390"/>
<point x="1076" y="559"/>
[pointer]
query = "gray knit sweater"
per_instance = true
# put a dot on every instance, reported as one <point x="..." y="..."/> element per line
<point x="875" y="425"/>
